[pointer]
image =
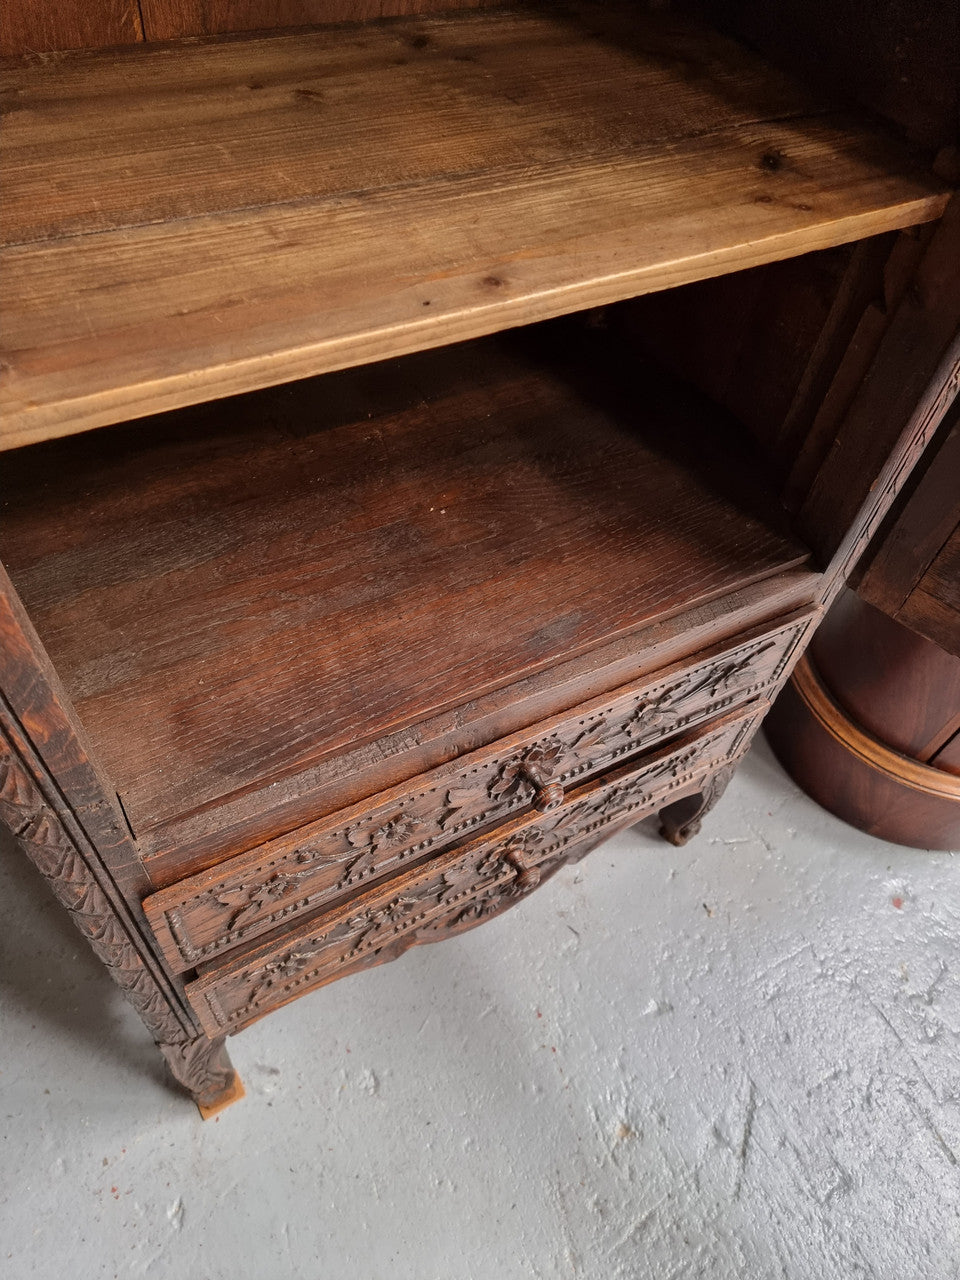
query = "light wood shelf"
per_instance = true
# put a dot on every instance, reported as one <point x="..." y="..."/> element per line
<point x="186" y="221"/>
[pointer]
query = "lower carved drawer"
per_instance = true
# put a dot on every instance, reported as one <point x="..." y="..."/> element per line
<point x="461" y="887"/>
<point x="251" y="894"/>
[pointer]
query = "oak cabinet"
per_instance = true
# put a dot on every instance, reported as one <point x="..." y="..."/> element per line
<point x="431" y="443"/>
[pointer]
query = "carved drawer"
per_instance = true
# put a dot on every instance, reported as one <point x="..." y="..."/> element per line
<point x="463" y="886"/>
<point x="210" y="913"/>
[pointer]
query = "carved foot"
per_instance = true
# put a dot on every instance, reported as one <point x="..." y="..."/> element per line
<point x="204" y="1069"/>
<point x="680" y="821"/>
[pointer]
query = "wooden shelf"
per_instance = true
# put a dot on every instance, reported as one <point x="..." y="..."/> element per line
<point x="187" y="221"/>
<point x="233" y="590"/>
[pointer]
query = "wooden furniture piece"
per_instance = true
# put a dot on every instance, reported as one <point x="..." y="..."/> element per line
<point x="299" y="670"/>
<point x="869" y="723"/>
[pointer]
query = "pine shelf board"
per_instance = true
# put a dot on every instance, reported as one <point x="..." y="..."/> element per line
<point x="191" y="220"/>
<point x="232" y="592"/>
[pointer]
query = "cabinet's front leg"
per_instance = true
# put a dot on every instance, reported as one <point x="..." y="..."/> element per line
<point x="680" y="821"/>
<point x="204" y="1069"/>
<point x="55" y="804"/>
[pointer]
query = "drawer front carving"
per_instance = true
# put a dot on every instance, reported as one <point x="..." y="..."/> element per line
<point x="215" y="911"/>
<point x="463" y="886"/>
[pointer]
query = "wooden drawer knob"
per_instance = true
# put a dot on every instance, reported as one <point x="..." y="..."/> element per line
<point x="548" y="796"/>
<point x="527" y="877"/>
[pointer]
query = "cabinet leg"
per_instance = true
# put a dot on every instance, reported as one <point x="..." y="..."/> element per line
<point x="204" y="1069"/>
<point x="680" y="821"/>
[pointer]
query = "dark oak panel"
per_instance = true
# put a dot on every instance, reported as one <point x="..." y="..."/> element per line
<point x="901" y="57"/>
<point x="39" y="26"/>
<point x="933" y="607"/>
<point x="922" y="526"/>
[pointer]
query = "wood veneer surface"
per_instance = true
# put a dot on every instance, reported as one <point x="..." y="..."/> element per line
<point x="239" y="588"/>
<point x="185" y="221"/>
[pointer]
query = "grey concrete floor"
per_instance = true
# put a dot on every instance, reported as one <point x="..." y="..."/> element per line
<point x="739" y="1059"/>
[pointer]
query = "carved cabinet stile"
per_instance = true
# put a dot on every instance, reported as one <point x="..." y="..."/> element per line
<point x="378" y="545"/>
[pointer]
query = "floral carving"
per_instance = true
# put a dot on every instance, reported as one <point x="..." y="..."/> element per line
<point x="533" y="769"/>
<point x="481" y="908"/>
<point x="254" y="899"/>
<point x="654" y="715"/>
<point x="458" y="879"/>
<point x="394" y="830"/>
<point x="381" y="920"/>
<point x="388" y="835"/>
<point x="725" y="673"/>
<point x="471" y="887"/>
<point x="594" y="735"/>
<point x="280" y="971"/>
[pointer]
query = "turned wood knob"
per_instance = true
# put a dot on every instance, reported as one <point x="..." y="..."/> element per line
<point x="548" y="796"/>
<point x="537" y="767"/>
<point x="527" y="877"/>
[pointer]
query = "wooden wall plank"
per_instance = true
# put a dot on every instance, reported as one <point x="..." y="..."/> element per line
<point x="168" y="19"/>
<point x="923" y="332"/>
<point x="29" y="26"/>
<point x="746" y="339"/>
<point x="900" y="57"/>
<point x="920" y="530"/>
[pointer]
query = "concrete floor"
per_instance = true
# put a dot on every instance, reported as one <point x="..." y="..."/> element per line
<point x="734" y="1060"/>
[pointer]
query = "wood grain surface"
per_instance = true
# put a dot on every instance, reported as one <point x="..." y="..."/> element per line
<point x="168" y="19"/>
<point x="251" y="585"/>
<point x="933" y="607"/>
<point x="184" y="222"/>
<point x="40" y="26"/>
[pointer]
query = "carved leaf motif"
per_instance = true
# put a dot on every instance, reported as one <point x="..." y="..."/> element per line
<point x="727" y="672"/>
<point x="459" y="880"/>
<point x="591" y="736"/>
<point x="534" y="768"/>
<point x="652" y="715"/>
<point x="361" y="865"/>
<point x="382" y="920"/>
<point x="279" y="971"/>
<point x="507" y="782"/>
<point x="395" y="830"/>
<point x="477" y="909"/>
<point x="259" y="897"/>
<point x="457" y="799"/>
